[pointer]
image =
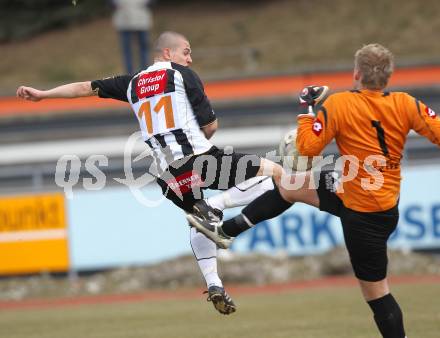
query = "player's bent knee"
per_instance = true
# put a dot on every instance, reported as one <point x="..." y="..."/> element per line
<point x="269" y="168"/>
<point x="374" y="290"/>
<point x="286" y="194"/>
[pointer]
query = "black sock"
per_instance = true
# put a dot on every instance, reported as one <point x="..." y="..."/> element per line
<point x="235" y="226"/>
<point x="388" y="316"/>
<point x="268" y="205"/>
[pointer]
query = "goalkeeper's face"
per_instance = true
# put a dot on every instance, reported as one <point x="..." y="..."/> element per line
<point x="181" y="53"/>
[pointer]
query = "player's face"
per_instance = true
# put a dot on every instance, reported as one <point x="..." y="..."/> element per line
<point x="181" y="54"/>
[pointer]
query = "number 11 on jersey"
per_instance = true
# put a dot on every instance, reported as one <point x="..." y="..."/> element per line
<point x="164" y="103"/>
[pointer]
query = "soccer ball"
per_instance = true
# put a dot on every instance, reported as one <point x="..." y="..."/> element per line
<point x="290" y="157"/>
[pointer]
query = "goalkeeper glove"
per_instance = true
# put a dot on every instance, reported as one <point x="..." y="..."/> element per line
<point x="311" y="95"/>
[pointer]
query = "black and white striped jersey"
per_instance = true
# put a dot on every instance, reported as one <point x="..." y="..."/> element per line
<point x="171" y="106"/>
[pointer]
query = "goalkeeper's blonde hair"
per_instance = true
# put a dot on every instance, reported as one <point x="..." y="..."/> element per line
<point x="375" y="64"/>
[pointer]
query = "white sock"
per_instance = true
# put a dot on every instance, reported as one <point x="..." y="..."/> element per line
<point x="242" y="194"/>
<point x="205" y="252"/>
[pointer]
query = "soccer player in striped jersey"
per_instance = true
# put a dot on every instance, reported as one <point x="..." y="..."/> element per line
<point x="176" y="120"/>
<point x="371" y="125"/>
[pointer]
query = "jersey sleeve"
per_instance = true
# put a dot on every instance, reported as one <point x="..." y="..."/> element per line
<point x="314" y="133"/>
<point x="113" y="87"/>
<point x="425" y="121"/>
<point x="196" y="95"/>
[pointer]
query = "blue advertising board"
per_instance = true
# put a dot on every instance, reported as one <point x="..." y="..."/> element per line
<point x="111" y="227"/>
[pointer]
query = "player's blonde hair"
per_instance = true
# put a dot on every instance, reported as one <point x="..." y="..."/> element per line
<point x="375" y="64"/>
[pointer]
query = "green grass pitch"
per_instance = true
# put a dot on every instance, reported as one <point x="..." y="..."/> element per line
<point x="331" y="312"/>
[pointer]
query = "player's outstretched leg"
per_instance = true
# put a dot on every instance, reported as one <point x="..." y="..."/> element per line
<point x="242" y="194"/>
<point x="208" y="213"/>
<point x="267" y="205"/>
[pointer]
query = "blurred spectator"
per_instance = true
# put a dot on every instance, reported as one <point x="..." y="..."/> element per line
<point x="133" y="20"/>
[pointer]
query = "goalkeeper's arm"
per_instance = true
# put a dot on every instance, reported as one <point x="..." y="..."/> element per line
<point x="315" y="132"/>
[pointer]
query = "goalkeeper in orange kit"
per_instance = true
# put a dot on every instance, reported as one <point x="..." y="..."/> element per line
<point x="370" y="125"/>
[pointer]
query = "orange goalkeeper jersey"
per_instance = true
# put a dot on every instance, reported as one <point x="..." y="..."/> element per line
<point x="368" y="124"/>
